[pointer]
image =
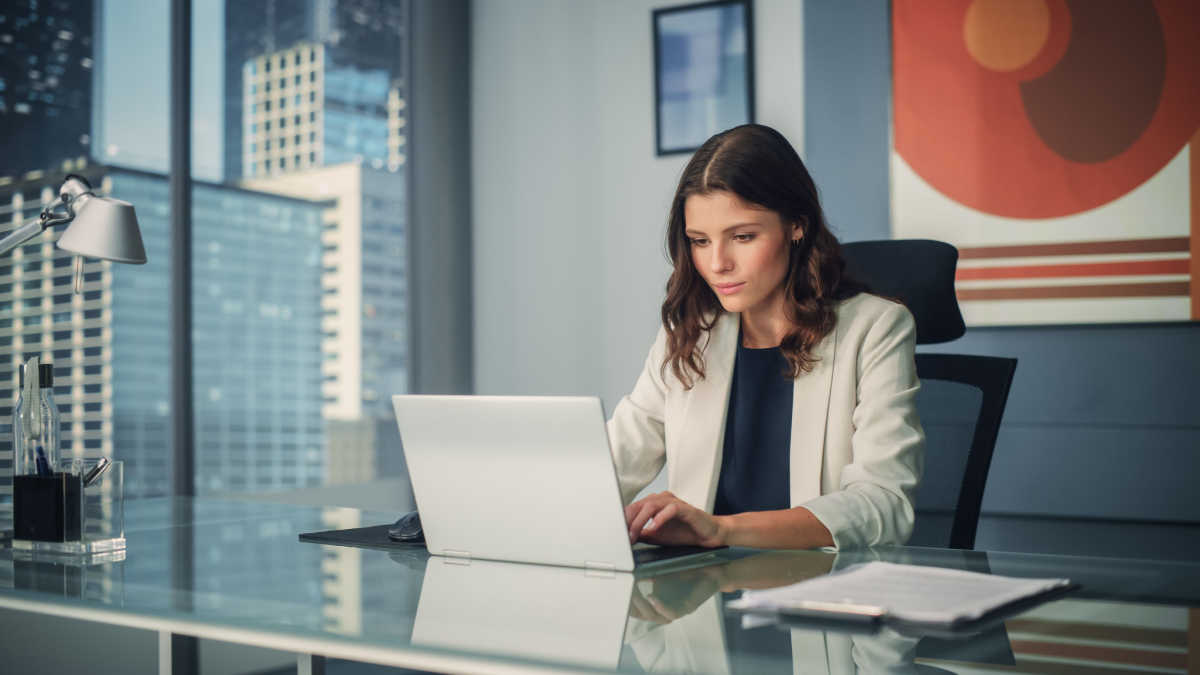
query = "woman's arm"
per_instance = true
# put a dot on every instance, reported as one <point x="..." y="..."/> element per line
<point x="873" y="504"/>
<point x="636" y="432"/>
<point x="666" y="519"/>
<point x="789" y="528"/>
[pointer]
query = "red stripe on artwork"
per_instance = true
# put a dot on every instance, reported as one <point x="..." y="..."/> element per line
<point x="1179" y="266"/>
<point x="1144" y="290"/>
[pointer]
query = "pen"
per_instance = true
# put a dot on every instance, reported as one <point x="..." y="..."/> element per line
<point x="97" y="471"/>
<point x="43" y="465"/>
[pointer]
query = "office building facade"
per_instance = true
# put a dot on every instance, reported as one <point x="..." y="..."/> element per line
<point x="344" y="90"/>
<point x="364" y="333"/>
<point x="324" y="114"/>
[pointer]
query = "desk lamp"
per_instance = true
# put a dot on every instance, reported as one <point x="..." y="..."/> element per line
<point x="100" y="227"/>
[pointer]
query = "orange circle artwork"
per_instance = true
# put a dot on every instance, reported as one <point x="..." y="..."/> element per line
<point x="1003" y="35"/>
<point x="1043" y="108"/>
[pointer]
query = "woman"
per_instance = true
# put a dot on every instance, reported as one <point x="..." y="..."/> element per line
<point x="779" y="394"/>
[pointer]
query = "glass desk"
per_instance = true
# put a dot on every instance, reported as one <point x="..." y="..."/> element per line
<point x="235" y="571"/>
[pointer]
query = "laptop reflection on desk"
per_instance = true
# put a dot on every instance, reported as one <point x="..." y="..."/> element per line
<point x="535" y="612"/>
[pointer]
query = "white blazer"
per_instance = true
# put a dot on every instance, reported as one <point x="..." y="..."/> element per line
<point x="857" y="447"/>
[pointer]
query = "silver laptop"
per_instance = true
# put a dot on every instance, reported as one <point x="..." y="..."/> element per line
<point x="520" y="479"/>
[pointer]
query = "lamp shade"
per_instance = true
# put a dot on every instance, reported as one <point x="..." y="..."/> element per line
<point x="104" y="228"/>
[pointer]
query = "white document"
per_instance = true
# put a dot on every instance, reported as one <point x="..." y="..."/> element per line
<point x="902" y="592"/>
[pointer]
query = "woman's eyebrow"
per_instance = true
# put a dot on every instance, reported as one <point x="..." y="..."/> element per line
<point x="698" y="233"/>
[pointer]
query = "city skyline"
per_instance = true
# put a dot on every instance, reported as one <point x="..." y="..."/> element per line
<point x="261" y="422"/>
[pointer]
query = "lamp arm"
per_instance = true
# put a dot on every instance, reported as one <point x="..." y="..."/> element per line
<point x="21" y="235"/>
<point x="56" y="213"/>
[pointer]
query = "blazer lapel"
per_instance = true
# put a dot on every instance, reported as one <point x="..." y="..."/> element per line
<point x="810" y="407"/>
<point x="698" y="464"/>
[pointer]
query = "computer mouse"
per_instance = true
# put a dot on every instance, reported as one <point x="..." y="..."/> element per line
<point x="407" y="529"/>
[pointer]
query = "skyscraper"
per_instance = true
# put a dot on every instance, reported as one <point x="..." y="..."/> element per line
<point x="364" y="308"/>
<point x="362" y="43"/>
<point x="323" y="113"/>
<point x="256" y="295"/>
<point x="46" y="64"/>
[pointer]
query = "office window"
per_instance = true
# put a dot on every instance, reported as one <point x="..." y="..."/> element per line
<point x="83" y="108"/>
<point x="258" y="250"/>
<point x="277" y="301"/>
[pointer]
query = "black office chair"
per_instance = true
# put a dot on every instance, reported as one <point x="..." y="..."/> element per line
<point x="962" y="397"/>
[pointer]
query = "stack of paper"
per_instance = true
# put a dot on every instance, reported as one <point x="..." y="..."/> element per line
<point x="901" y="592"/>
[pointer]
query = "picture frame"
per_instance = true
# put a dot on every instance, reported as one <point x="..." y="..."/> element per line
<point x="703" y="72"/>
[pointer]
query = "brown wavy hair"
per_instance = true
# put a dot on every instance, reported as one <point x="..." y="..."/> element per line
<point x="757" y="164"/>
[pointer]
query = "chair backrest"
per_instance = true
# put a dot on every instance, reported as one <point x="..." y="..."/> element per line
<point x="963" y="397"/>
<point x="947" y="466"/>
<point x="917" y="272"/>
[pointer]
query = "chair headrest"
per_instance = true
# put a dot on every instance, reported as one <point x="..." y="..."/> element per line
<point x="917" y="272"/>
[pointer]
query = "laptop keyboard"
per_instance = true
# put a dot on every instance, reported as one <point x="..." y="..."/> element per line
<point x="653" y="554"/>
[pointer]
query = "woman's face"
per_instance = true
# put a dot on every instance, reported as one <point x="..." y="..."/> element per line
<point x="741" y="251"/>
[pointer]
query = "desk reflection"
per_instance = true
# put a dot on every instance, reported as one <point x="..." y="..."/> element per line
<point x="670" y="622"/>
<point x="678" y="624"/>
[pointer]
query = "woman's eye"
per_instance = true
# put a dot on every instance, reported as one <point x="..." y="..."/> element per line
<point x="743" y="237"/>
<point x="696" y="241"/>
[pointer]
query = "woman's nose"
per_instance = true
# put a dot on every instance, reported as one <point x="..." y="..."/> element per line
<point x="721" y="260"/>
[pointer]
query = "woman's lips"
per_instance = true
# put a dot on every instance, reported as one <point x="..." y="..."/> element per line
<point x="728" y="289"/>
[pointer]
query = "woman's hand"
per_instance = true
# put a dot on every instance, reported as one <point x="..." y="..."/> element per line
<point x="666" y="519"/>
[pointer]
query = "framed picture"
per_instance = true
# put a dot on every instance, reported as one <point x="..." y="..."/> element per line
<point x="703" y="72"/>
<point x="1072" y="199"/>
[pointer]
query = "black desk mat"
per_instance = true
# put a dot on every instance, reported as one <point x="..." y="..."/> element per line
<point x="360" y="537"/>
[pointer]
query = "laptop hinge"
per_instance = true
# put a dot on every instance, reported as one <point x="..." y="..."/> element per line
<point x="457" y="557"/>
<point x="599" y="568"/>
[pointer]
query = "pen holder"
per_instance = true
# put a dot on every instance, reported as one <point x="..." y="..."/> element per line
<point x="59" y="514"/>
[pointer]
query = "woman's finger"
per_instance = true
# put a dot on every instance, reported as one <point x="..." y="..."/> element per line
<point x="639" y="521"/>
<point x="662" y="517"/>
<point x="632" y="510"/>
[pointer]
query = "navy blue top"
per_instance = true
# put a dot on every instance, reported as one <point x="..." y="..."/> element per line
<point x="758" y="429"/>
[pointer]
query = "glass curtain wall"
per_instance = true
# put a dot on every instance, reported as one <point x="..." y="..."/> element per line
<point x="299" y="302"/>
<point x="299" y="280"/>
<point x="299" y="235"/>
<point x="83" y="91"/>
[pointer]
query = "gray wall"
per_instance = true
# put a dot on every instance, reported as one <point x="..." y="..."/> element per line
<point x="847" y="87"/>
<point x="569" y="202"/>
<point x="1102" y="421"/>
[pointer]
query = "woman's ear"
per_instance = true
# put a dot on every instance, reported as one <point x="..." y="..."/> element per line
<point x="798" y="228"/>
